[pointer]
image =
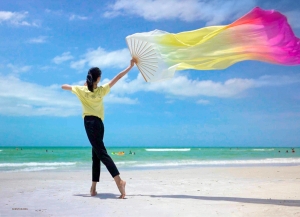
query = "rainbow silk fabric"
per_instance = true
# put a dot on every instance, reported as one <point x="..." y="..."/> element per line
<point x="262" y="35"/>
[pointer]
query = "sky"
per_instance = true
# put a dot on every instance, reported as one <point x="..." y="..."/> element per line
<point x="45" y="44"/>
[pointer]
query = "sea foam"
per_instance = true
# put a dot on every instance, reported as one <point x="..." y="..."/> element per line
<point x="270" y="161"/>
<point x="36" y="164"/>
<point x="33" y="169"/>
<point x="167" y="149"/>
<point x="261" y="149"/>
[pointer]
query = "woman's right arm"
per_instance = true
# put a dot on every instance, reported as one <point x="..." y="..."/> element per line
<point x="121" y="74"/>
<point x="66" y="87"/>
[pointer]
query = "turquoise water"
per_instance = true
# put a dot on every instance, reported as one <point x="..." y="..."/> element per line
<point x="78" y="158"/>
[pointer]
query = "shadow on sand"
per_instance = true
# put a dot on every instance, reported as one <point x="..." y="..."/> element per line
<point x="280" y="202"/>
<point x="100" y="196"/>
<point x="231" y="199"/>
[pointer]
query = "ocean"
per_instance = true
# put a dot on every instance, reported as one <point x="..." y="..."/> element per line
<point x="28" y="159"/>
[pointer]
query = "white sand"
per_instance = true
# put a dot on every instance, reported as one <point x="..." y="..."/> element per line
<point x="223" y="191"/>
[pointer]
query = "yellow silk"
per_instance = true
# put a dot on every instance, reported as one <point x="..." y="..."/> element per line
<point x="259" y="35"/>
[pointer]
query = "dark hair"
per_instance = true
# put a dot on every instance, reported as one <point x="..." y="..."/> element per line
<point x="91" y="77"/>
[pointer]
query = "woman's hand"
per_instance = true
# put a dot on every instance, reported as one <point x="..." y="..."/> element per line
<point x="132" y="62"/>
<point x="66" y="87"/>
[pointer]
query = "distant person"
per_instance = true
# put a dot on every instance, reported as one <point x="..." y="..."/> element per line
<point x="287" y="151"/>
<point x="91" y="98"/>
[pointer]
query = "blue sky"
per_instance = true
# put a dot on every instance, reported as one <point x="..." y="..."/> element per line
<point x="44" y="44"/>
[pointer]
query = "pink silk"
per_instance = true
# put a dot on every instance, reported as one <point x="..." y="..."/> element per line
<point x="262" y="35"/>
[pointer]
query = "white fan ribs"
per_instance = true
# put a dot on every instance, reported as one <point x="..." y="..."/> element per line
<point x="146" y="56"/>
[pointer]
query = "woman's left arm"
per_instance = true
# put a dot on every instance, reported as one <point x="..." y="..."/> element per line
<point x="121" y="74"/>
<point x="66" y="87"/>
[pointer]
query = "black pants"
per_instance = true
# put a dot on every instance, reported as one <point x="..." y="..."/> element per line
<point x="95" y="131"/>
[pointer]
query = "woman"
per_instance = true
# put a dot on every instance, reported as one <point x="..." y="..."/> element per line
<point x="91" y="98"/>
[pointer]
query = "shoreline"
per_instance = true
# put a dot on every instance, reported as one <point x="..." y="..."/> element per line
<point x="160" y="165"/>
<point x="87" y="167"/>
<point x="38" y="159"/>
<point x="201" y="191"/>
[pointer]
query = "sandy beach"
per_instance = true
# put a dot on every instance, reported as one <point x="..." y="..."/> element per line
<point x="203" y="191"/>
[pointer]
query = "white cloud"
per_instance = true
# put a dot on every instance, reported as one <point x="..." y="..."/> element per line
<point x="203" y="102"/>
<point x="170" y="101"/>
<point x="61" y="13"/>
<point x="38" y="40"/>
<point x="182" y="86"/>
<point x="277" y="80"/>
<point x="47" y="68"/>
<point x="112" y="98"/>
<point x="103" y="58"/>
<point x="62" y="58"/>
<point x="18" y="69"/>
<point x="77" y="17"/>
<point x="212" y="12"/>
<point x="28" y="99"/>
<point x="57" y="13"/>
<point x="15" y="18"/>
<point x="20" y="98"/>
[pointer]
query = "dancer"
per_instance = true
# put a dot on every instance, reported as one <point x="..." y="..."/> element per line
<point x="91" y="98"/>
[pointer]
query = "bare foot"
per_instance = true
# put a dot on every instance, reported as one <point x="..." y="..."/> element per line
<point x="93" y="192"/>
<point x="121" y="187"/>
